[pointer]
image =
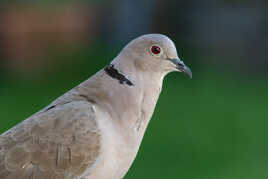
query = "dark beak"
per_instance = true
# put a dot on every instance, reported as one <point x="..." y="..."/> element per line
<point x="180" y="66"/>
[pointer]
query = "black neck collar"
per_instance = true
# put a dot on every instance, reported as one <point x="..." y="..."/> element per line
<point x="114" y="73"/>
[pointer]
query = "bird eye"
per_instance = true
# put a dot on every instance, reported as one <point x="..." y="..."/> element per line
<point x="155" y="49"/>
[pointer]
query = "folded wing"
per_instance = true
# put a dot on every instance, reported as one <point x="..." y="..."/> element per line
<point x="62" y="142"/>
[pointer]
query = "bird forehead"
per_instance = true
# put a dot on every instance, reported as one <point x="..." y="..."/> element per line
<point x="138" y="46"/>
<point x="147" y="41"/>
<point x="156" y="39"/>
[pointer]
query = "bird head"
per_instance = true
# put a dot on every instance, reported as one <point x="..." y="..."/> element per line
<point x="154" y="53"/>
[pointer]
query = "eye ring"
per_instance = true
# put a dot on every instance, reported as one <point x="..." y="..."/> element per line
<point x="155" y="50"/>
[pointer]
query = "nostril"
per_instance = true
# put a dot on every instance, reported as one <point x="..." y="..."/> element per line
<point x="181" y="64"/>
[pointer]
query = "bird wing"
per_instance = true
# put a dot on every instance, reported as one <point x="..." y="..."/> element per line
<point x="61" y="142"/>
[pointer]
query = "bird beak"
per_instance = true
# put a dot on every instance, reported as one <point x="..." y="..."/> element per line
<point x="181" y="67"/>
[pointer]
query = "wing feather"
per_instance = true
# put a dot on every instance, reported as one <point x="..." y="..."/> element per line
<point x="62" y="142"/>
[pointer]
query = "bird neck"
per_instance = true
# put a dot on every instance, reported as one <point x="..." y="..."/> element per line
<point x="128" y="97"/>
<point x="114" y="73"/>
<point x="136" y="94"/>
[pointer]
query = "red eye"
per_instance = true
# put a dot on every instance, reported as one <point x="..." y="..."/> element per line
<point x="155" y="49"/>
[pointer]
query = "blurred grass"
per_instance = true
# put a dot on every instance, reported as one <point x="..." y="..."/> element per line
<point x="210" y="127"/>
<point x="213" y="126"/>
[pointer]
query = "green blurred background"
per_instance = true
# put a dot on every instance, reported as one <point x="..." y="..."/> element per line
<point x="213" y="126"/>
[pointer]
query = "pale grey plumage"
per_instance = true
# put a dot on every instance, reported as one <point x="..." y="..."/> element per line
<point x="93" y="131"/>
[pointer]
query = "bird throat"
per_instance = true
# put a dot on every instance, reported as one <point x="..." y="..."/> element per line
<point x="115" y="74"/>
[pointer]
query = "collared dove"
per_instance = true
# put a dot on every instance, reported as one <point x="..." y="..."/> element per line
<point x="93" y="131"/>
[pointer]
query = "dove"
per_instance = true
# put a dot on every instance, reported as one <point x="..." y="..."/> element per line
<point x="94" y="130"/>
